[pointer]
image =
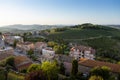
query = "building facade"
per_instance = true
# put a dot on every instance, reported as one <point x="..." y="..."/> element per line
<point x="25" y="46"/>
<point x="79" y="52"/>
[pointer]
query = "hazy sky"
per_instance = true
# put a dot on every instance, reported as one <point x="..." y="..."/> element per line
<point x="59" y="11"/>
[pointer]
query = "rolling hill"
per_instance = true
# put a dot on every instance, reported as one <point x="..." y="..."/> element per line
<point x="106" y="40"/>
<point x="18" y="28"/>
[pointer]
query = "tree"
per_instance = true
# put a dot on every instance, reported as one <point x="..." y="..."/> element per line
<point x="15" y="43"/>
<point x="62" y="69"/>
<point x="103" y="71"/>
<point x="50" y="69"/>
<point x="10" y="62"/>
<point x="96" y="78"/>
<point x="36" y="75"/>
<point x="6" y="70"/>
<point x="74" y="67"/>
<point x="30" y="53"/>
<point x="0" y="33"/>
<point x="119" y="76"/>
<point x="52" y="44"/>
<point x="59" y="49"/>
<point x="80" y="76"/>
<point x="6" y="65"/>
<point x="119" y="62"/>
<point x="34" y="67"/>
<point x="56" y="62"/>
<point x="24" y="36"/>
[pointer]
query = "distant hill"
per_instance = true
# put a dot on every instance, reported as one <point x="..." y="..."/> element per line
<point x="22" y="28"/>
<point x="114" y="26"/>
<point x="19" y="28"/>
<point x="86" y="31"/>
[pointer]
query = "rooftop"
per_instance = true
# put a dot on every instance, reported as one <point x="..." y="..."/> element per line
<point x="5" y="55"/>
<point x="6" y="48"/>
<point x="48" y="48"/>
<point x="17" y="37"/>
<point x="83" y="48"/>
<point x="21" y="59"/>
<point x="38" y="44"/>
<point x="92" y="63"/>
<point x="25" y="43"/>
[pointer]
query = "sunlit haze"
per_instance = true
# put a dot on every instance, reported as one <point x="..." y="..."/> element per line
<point x="59" y="12"/>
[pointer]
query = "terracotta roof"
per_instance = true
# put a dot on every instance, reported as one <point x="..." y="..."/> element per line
<point x="25" y="43"/>
<point x="21" y="67"/>
<point x="92" y="63"/>
<point x="5" y="55"/>
<point x="22" y="62"/>
<point x="38" y="44"/>
<point x="81" y="47"/>
<point x="82" y="59"/>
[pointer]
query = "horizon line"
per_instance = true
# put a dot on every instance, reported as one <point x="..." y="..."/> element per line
<point x="54" y="24"/>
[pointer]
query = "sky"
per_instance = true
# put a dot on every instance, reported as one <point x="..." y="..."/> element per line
<point x="51" y="12"/>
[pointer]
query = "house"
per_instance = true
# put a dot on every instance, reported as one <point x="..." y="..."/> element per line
<point x="25" y="46"/>
<point x="48" y="53"/>
<point x="22" y="62"/>
<point x="82" y="52"/>
<point x="7" y="34"/>
<point x="10" y="39"/>
<point x="68" y="68"/>
<point x="6" y="52"/>
<point x="64" y="58"/>
<point x="86" y="65"/>
<point x="2" y="44"/>
<point x="34" y="33"/>
<point x="38" y="48"/>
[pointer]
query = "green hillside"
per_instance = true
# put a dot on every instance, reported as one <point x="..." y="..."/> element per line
<point x="105" y="40"/>
<point x="80" y="32"/>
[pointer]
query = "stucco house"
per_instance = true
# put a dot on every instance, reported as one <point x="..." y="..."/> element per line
<point x="48" y="54"/>
<point x="82" y="52"/>
<point x="38" y="48"/>
<point x="25" y="46"/>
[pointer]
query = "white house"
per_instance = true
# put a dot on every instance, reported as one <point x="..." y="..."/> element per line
<point x="82" y="52"/>
<point x="48" y="53"/>
<point x="2" y="44"/>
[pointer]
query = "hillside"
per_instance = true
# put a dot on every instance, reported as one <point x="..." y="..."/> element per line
<point x="104" y="39"/>
<point x="85" y="32"/>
